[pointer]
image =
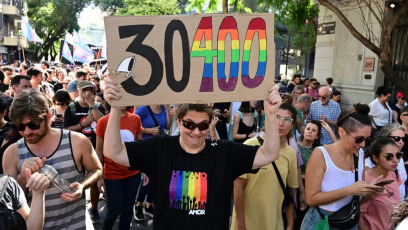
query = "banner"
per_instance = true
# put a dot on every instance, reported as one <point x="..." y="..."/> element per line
<point x="191" y="58"/>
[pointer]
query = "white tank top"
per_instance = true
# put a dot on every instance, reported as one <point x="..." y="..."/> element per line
<point x="335" y="178"/>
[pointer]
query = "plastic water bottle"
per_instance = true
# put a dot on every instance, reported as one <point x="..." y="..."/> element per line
<point x="56" y="180"/>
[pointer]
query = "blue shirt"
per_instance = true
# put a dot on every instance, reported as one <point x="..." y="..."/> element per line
<point x="331" y="112"/>
<point x="147" y="120"/>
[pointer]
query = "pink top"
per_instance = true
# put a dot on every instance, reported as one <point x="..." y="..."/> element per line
<point x="312" y="92"/>
<point x="378" y="208"/>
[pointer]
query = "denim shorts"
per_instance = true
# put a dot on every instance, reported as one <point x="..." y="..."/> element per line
<point x="313" y="216"/>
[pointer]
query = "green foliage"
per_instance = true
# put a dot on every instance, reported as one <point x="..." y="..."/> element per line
<point x="52" y="19"/>
<point x="149" y="7"/>
<point x="113" y="6"/>
<point x="214" y="6"/>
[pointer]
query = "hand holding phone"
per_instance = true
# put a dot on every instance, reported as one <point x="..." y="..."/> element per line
<point x="384" y="182"/>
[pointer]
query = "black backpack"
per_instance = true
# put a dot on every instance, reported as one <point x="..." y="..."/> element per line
<point x="9" y="219"/>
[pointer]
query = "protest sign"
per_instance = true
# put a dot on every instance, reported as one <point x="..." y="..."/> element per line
<point x="191" y="58"/>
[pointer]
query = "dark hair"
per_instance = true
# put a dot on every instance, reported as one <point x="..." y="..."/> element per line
<point x="81" y="73"/>
<point x="31" y="103"/>
<point x="104" y="103"/>
<point x="377" y="145"/>
<point x="404" y="109"/>
<point x="46" y="64"/>
<point x="3" y="105"/>
<point x="355" y="118"/>
<point x="312" y="79"/>
<point x="16" y="80"/>
<point x="7" y="68"/>
<point x="335" y="93"/>
<point x="290" y="108"/>
<point x="1" y="76"/>
<point x="382" y="90"/>
<point x="297" y="76"/>
<point x="62" y="96"/>
<point x="246" y="107"/>
<point x="34" y="71"/>
<point x="329" y="80"/>
<point x="200" y="108"/>
<point x="316" y="142"/>
<point x="25" y="67"/>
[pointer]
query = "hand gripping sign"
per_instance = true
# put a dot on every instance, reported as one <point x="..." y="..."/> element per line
<point x="191" y="58"/>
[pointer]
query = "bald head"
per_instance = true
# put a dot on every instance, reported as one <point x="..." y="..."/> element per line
<point x="324" y="95"/>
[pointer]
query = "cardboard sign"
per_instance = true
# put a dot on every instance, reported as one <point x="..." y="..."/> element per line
<point x="191" y="58"/>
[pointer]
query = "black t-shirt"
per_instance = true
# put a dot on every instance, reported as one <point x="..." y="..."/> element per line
<point x="192" y="191"/>
<point x="4" y="87"/>
<point x="222" y="125"/>
<point x="58" y="86"/>
<point x="13" y="197"/>
<point x="80" y="115"/>
<point x="398" y="110"/>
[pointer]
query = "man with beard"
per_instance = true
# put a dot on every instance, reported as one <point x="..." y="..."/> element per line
<point x="70" y="153"/>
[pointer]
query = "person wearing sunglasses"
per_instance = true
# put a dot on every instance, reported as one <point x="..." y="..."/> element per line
<point x="375" y="213"/>
<point x="192" y="176"/>
<point x="70" y="153"/>
<point x="396" y="109"/>
<point x="60" y="101"/>
<point x="330" y="171"/>
<point x="395" y="132"/>
<point x="326" y="110"/>
<point x="312" y="90"/>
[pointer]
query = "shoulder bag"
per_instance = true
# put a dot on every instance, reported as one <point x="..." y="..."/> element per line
<point x="349" y="215"/>
<point x="155" y="121"/>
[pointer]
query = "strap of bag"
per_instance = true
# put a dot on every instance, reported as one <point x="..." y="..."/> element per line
<point x="153" y="117"/>
<point x="279" y="177"/>
<point x="3" y="186"/>
<point x="260" y="140"/>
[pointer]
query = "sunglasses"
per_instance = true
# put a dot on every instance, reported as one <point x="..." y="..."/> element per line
<point x="322" y="97"/>
<point x="390" y="156"/>
<point x="191" y="125"/>
<point x="315" y="83"/>
<point x="396" y="138"/>
<point x="357" y="140"/>
<point x="60" y="104"/>
<point x="31" y="125"/>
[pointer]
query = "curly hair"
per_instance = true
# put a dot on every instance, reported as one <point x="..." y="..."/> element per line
<point x="399" y="212"/>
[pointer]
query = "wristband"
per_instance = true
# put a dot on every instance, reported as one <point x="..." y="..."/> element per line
<point x="80" y="124"/>
<point x="247" y="135"/>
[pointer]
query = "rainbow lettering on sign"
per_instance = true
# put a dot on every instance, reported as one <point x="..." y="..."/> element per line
<point x="229" y="27"/>
<point x="257" y="25"/>
<point x="205" y="28"/>
<point x="188" y="190"/>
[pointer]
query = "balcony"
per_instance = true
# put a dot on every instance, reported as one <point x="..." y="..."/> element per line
<point x="11" y="39"/>
<point x="12" y="8"/>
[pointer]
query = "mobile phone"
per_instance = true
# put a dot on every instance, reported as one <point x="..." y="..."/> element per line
<point x="384" y="182"/>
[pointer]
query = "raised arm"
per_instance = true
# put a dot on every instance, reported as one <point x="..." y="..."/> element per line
<point x="114" y="148"/>
<point x="269" y="151"/>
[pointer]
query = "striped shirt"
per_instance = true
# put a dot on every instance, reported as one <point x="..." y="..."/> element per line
<point x="60" y="214"/>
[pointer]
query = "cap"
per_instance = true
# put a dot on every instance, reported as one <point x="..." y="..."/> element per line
<point x="72" y="87"/>
<point x="85" y="84"/>
<point x="400" y="95"/>
<point x="283" y="90"/>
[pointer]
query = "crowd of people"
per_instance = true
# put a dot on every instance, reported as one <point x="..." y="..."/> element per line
<point x="296" y="160"/>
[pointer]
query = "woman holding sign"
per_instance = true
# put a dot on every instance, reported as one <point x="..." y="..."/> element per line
<point x="193" y="177"/>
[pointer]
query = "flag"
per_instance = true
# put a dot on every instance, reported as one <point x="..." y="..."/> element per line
<point x="103" y="49"/>
<point x="66" y="53"/>
<point x="82" y="54"/>
<point x="29" y="32"/>
<point x="78" y="41"/>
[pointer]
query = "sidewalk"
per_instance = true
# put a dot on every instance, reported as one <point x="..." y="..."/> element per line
<point x="147" y="224"/>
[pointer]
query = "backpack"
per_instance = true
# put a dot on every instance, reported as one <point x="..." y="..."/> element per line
<point x="73" y="109"/>
<point x="9" y="219"/>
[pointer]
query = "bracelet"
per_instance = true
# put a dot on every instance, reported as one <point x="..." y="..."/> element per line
<point x="80" y="124"/>
<point x="247" y="135"/>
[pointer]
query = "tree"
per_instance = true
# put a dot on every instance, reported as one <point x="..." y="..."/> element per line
<point x="149" y="7"/>
<point x="382" y="43"/>
<point x="53" y="19"/>
<point x="112" y="6"/>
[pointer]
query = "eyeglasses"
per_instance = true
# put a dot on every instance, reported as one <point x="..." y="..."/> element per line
<point x="396" y="138"/>
<point x="286" y="120"/>
<point x="390" y="156"/>
<point x="357" y="140"/>
<point x="191" y="125"/>
<point x="60" y="103"/>
<point x="322" y="97"/>
<point x="31" y="125"/>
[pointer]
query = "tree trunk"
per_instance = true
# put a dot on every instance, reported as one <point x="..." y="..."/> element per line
<point x="225" y="6"/>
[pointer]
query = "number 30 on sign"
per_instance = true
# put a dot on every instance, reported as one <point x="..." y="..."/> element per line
<point x="201" y="57"/>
